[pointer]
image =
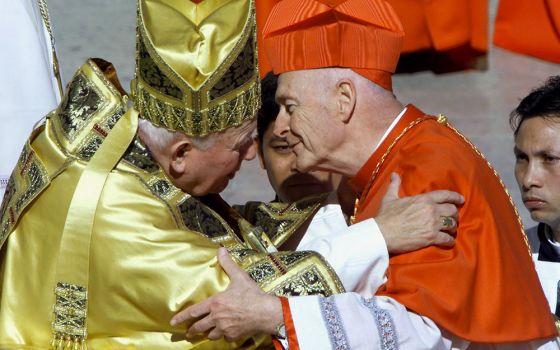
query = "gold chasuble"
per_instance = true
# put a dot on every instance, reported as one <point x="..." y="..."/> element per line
<point x="99" y="248"/>
<point x="152" y="250"/>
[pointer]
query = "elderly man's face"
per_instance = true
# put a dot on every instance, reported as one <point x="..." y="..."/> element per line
<point x="210" y="169"/>
<point x="307" y="111"/>
<point x="537" y="168"/>
<point x="289" y="184"/>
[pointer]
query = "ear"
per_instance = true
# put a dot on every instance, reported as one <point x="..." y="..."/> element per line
<point x="260" y="153"/>
<point x="345" y="99"/>
<point x="180" y="152"/>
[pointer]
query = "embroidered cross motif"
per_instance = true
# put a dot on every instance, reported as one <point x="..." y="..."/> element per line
<point x="70" y="314"/>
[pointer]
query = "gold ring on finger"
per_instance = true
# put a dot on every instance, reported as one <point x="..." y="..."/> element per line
<point x="447" y="222"/>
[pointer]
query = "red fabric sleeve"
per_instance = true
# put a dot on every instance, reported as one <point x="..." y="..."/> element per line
<point x="289" y="324"/>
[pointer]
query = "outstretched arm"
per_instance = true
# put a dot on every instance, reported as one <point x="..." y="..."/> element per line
<point x="241" y="311"/>
<point x="244" y="310"/>
<point x="403" y="224"/>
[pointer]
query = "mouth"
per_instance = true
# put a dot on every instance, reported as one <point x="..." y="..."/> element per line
<point x="302" y="180"/>
<point x="293" y="141"/>
<point x="533" y="202"/>
<point x="304" y="184"/>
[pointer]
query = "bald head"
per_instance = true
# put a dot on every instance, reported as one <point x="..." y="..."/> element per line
<point x="330" y="114"/>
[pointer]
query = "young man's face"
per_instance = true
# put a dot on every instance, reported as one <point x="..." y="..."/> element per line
<point x="537" y="168"/>
<point x="278" y="159"/>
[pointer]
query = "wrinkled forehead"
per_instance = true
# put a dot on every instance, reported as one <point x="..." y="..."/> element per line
<point x="307" y="82"/>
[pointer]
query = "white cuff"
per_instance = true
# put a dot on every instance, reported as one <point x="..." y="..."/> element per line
<point x="360" y="257"/>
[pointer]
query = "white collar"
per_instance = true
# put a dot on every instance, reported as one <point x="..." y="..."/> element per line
<point x="390" y="128"/>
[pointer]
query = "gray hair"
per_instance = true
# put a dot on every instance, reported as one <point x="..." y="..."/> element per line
<point x="160" y="138"/>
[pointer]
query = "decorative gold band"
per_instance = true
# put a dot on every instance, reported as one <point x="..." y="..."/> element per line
<point x="175" y="116"/>
<point x="43" y="9"/>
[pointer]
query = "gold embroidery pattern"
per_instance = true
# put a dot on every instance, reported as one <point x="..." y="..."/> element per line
<point x="262" y="271"/>
<point x="93" y="140"/>
<point x="70" y="314"/>
<point x="199" y="217"/>
<point x="139" y="156"/>
<point x="228" y="98"/>
<point x="310" y="281"/>
<point x="171" y="116"/>
<point x="80" y="103"/>
<point x="152" y="75"/>
<point x="292" y="273"/>
<point x="239" y="73"/>
<point x="279" y="220"/>
<point x="291" y="259"/>
<point x="28" y="180"/>
<point x="88" y="112"/>
<point x="289" y="273"/>
<point x="161" y="187"/>
<point x="8" y="221"/>
<point x="242" y="254"/>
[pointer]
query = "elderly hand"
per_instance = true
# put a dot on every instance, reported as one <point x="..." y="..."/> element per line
<point x="241" y="311"/>
<point x="412" y="223"/>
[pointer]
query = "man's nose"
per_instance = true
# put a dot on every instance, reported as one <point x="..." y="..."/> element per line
<point x="532" y="176"/>
<point x="281" y="124"/>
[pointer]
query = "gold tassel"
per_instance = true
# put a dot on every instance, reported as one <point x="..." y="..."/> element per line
<point x="61" y="342"/>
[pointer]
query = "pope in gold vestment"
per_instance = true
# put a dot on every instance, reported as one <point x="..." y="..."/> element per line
<point x="100" y="249"/>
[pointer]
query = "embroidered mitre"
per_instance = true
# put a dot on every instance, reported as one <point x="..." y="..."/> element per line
<point x="196" y="64"/>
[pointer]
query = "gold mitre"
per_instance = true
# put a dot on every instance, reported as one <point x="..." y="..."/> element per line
<point x="196" y="65"/>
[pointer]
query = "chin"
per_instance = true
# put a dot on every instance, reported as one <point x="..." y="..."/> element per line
<point x="299" y="192"/>
<point x="218" y="188"/>
<point x="196" y="192"/>
<point x="540" y="216"/>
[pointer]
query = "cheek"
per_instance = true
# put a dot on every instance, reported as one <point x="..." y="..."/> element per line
<point x="300" y="122"/>
<point x="282" y="167"/>
<point x="231" y="161"/>
<point x="278" y="166"/>
<point x="552" y="179"/>
<point x="519" y="170"/>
